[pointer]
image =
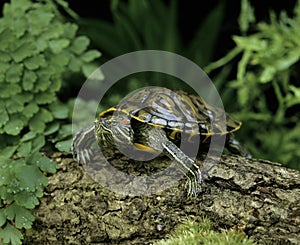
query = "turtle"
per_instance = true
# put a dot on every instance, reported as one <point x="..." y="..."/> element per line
<point x="158" y="120"/>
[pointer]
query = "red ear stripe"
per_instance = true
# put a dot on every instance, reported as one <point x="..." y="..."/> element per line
<point x="124" y="121"/>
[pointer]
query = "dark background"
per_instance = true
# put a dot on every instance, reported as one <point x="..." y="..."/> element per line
<point x="191" y="14"/>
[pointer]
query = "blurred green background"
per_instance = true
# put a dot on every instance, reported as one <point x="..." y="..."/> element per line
<point x="249" y="49"/>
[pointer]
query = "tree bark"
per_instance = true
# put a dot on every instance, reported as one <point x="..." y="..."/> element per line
<point x="258" y="197"/>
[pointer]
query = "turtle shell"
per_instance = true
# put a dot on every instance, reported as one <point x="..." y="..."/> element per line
<point x="175" y="111"/>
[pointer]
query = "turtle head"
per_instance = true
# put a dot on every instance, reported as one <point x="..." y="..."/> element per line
<point x="103" y="131"/>
<point x="113" y="130"/>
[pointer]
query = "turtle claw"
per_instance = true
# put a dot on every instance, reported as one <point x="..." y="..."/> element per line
<point x="193" y="184"/>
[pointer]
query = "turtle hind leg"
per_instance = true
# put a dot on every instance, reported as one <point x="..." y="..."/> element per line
<point x="235" y="147"/>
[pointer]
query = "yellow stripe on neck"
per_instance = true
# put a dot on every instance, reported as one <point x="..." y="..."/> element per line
<point x="145" y="148"/>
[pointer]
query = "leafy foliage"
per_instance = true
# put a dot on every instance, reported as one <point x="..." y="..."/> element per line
<point x="266" y="90"/>
<point x="267" y="85"/>
<point x="38" y="50"/>
<point x="150" y="25"/>
<point x="201" y="232"/>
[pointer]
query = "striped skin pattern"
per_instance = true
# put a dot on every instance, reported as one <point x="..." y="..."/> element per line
<point x="156" y="119"/>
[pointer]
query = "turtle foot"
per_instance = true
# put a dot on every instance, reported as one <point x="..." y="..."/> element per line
<point x="193" y="184"/>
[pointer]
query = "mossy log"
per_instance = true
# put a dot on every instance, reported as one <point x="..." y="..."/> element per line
<point x="257" y="197"/>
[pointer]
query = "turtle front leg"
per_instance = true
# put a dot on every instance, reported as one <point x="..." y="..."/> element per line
<point x="156" y="138"/>
<point x="235" y="147"/>
<point x="186" y="166"/>
<point x="82" y="144"/>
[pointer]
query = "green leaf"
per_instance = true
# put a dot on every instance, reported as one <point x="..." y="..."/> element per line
<point x="58" y="45"/>
<point x="70" y="30"/>
<point x="5" y="195"/>
<point x="24" y="97"/>
<point x="38" y="143"/>
<point x="44" y="98"/>
<point x="25" y="50"/>
<point x="4" y="66"/>
<point x="293" y="97"/>
<point x="14" y="127"/>
<point x="75" y="64"/>
<point x="59" y="111"/>
<point x="103" y="34"/>
<point x="2" y="77"/>
<point x="42" y="85"/>
<point x="55" y="85"/>
<point x="80" y="44"/>
<point x="3" y="118"/>
<point x="26" y="199"/>
<point x="64" y="132"/>
<point x="29" y="136"/>
<point x="25" y="149"/>
<point x="64" y="146"/>
<point x="45" y="115"/>
<point x="35" y="62"/>
<point x="29" y="79"/>
<point x="46" y="164"/>
<point x="30" y="110"/>
<point x="6" y="38"/>
<point x="251" y="43"/>
<point x="90" y="55"/>
<point x="8" y="90"/>
<point x="22" y="217"/>
<point x="6" y="176"/>
<point x="8" y="151"/>
<point x="206" y="36"/>
<point x="92" y="71"/>
<point x="52" y="72"/>
<point x="246" y="16"/>
<point x="30" y="177"/>
<point x="288" y="60"/>
<point x="243" y="96"/>
<point x="22" y="6"/>
<point x="65" y="6"/>
<point x="38" y="20"/>
<point x="52" y="128"/>
<point x="123" y="25"/>
<point x="14" y="73"/>
<point x="267" y="74"/>
<point x="13" y="105"/>
<point x="54" y="31"/>
<point x="2" y="217"/>
<point x="39" y="192"/>
<point x="61" y="60"/>
<point x="5" y="57"/>
<point x="9" y="234"/>
<point x="36" y="125"/>
<point x="20" y="26"/>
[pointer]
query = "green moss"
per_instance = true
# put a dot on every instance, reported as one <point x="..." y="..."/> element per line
<point x="201" y="232"/>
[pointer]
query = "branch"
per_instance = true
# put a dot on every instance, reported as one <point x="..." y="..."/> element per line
<point x="258" y="197"/>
